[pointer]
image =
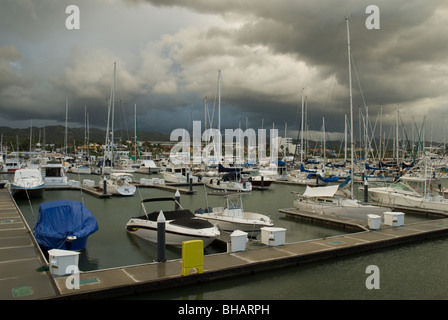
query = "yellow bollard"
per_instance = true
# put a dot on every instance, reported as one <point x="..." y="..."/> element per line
<point x="192" y="256"/>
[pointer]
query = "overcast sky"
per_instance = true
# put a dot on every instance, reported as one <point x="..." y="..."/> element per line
<point x="168" y="53"/>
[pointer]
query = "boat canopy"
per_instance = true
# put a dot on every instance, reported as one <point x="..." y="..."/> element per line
<point x="327" y="191"/>
<point x="62" y="218"/>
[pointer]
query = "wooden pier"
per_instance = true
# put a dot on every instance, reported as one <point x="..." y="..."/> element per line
<point x="21" y="260"/>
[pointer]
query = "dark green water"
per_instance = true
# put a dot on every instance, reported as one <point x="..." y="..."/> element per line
<point x="415" y="271"/>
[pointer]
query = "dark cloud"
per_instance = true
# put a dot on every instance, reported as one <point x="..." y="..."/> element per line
<point x="168" y="54"/>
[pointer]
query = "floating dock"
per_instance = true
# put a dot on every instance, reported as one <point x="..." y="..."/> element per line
<point x="23" y="278"/>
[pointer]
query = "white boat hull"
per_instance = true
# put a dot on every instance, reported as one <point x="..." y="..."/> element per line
<point x="174" y="235"/>
<point x="354" y="209"/>
<point x="249" y="222"/>
<point x="229" y="185"/>
<point x="386" y="197"/>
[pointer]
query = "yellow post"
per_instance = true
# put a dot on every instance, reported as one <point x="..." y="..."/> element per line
<point x="192" y="256"/>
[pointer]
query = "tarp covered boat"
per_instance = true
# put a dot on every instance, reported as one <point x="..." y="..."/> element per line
<point x="64" y="224"/>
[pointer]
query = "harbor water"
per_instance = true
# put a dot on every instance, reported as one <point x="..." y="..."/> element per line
<point x="413" y="271"/>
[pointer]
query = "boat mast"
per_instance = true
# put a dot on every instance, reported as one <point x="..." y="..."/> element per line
<point x="66" y="115"/>
<point x="352" y="143"/>
<point x="113" y="108"/>
<point x="301" y="134"/>
<point x="219" y="101"/>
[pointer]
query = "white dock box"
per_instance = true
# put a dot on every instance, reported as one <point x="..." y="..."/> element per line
<point x="394" y="219"/>
<point x="373" y="221"/>
<point x="88" y="182"/>
<point x="61" y="259"/>
<point x="238" y="240"/>
<point x="273" y="236"/>
<point x="73" y="183"/>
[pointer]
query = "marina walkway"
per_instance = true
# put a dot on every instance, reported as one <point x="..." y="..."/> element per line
<point x="20" y="257"/>
<point x="154" y="276"/>
<point x="20" y="260"/>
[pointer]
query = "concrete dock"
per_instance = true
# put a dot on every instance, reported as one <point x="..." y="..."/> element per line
<point x="21" y="259"/>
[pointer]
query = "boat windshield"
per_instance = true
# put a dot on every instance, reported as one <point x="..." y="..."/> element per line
<point x="405" y="187"/>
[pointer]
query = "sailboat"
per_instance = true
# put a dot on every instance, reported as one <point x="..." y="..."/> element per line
<point x="325" y="200"/>
<point x="414" y="191"/>
<point x="232" y="217"/>
<point x="120" y="184"/>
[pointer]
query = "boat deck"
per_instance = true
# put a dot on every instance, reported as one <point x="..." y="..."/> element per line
<point x="20" y="259"/>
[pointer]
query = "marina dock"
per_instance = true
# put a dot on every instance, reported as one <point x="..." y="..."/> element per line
<point x="23" y="275"/>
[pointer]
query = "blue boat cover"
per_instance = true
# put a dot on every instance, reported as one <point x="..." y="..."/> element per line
<point x="62" y="218"/>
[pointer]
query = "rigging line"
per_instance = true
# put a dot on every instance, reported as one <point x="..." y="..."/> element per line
<point x="357" y="78"/>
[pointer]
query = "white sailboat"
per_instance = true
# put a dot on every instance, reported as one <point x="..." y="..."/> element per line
<point x="232" y="217"/>
<point x="413" y="192"/>
<point x="120" y="184"/>
<point x="324" y="200"/>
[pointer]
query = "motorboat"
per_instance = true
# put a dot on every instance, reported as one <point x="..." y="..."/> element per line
<point x="53" y="172"/>
<point x="147" y="164"/>
<point x="80" y="168"/>
<point x="11" y="164"/>
<point x="232" y="217"/>
<point x="65" y="225"/>
<point x="120" y="184"/>
<point x="180" y="225"/>
<point x="27" y="183"/>
<point x="331" y="200"/>
<point x="260" y="182"/>
<point x="178" y="174"/>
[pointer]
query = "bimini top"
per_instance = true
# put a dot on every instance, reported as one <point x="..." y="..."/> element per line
<point x="62" y="218"/>
<point x="327" y="191"/>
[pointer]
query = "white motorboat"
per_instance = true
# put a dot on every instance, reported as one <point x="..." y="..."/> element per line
<point x="232" y="217"/>
<point x="147" y="164"/>
<point x="178" y="174"/>
<point x="27" y="183"/>
<point x="180" y="225"/>
<point x="327" y="200"/>
<point x="80" y="168"/>
<point x="53" y="172"/>
<point x="120" y="184"/>
<point x="11" y="164"/>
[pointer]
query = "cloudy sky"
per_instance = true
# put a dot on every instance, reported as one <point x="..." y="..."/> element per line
<point x="168" y="54"/>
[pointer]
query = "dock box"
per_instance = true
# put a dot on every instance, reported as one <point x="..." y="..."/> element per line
<point x="373" y="221"/>
<point x="273" y="236"/>
<point x="61" y="259"/>
<point x="88" y="183"/>
<point x="394" y="219"/>
<point x="73" y="183"/>
<point x="238" y="240"/>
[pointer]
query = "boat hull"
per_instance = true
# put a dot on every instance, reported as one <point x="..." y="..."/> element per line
<point x="229" y="185"/>
<point x="225" y="223"/>
<point x="21" y="192"/>
<point x="174" y="236"/>
<point x="385" y="197"/>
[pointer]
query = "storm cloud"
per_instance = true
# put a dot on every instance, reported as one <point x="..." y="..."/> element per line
<point x="168" y="53"/>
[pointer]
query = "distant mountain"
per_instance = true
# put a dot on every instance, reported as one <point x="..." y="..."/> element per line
<point x="56" y="134"/>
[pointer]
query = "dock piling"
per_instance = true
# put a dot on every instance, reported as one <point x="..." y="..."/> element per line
<point x="161" y="237"/>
